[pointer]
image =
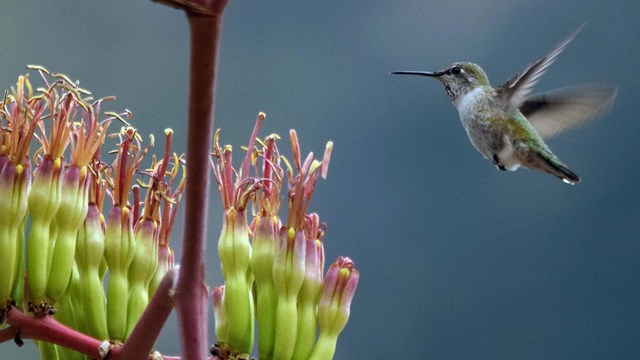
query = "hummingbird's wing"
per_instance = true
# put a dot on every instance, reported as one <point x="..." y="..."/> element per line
<point x="513" y="93"/>
<point x="553" y="112"/>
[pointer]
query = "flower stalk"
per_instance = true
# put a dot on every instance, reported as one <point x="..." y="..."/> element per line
<point x="191" y="290"/>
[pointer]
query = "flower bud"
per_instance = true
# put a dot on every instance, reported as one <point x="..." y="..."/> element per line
<point x="262" y="258"/>
<point x="234" y="251"/>
<point x="220" y="315"/>
<point x="141" y="271"/>
<point x="89" y="257"/>
<point x="311" y="288"/>
<point x="69" y="218"/>
<point x="288" y="276"/>
<point x="334" y="306"/>
<point x="14" y="184"/>
<point x="44" y="200"/>
<point x="119" y="253"/>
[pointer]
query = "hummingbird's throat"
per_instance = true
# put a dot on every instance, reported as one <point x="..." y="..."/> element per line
<point x="451" y="91"/>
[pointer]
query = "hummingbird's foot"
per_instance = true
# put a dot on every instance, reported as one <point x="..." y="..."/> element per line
<point x="497" y="163"/>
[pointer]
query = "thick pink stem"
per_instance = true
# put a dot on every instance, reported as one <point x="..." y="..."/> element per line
<point x="191" y="291"/>
<point x="9" y="334"/>
<point x="49" y="330"/>
<point x="140" y="343"/>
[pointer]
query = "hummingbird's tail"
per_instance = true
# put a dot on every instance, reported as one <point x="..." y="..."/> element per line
<point x="552" y="165"/>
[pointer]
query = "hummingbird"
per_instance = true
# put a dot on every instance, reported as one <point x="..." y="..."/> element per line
<point x="507" y="125"/>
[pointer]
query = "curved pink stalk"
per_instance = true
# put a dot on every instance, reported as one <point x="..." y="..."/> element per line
<point x="140" y="343"/>
<point x="47" y="329"/>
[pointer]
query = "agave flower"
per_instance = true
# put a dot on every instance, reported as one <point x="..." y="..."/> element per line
<point x="147" y="229"/>
<point x="311" y="288"/>
<point x="90" y="255"/>
<point x="286" y="260"/>
<point x="291" y="253"/>
<point x="119" y="235"/>
<point x="170" y="202"/>
<point x="45" y="195"/>
<point x="266" y="227"/>
<point x="234" y="247"/>
<point x="276" y="265"/>
<point x="86" y="139"/>
<point x="335" y="306"/>
<point x="19" y="113"/>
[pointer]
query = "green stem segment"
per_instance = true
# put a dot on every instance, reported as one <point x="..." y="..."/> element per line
<point x="325" y="347"/>
<point x="17" y="293"/>
<point x="307" y="328"/>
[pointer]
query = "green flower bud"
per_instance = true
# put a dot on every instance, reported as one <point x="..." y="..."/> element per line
<point x="165" y="262"/>
<point x="234" y="250"/>
<point x="44" y="200"/>
<point x="17" y="293"/>
<point x="262" y="259"/>
<point x="141" y="270"/>
<point x="119" y="253"/>
<point x="220" y="316"/>
<point x="334" y="306"/>
<point x="19" y="114"/>
<point x="89" y="257"/>
<point x="69" y="218"/>
<point x="288" y="276"/>
<point x="48" y="351"/>
<point x="68" y="310"/>
<point x="14" y="184"/>
<point x="71" y="313"/>
<point x="311" y="288"/>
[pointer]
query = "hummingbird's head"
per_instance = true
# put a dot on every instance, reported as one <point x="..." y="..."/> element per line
<point x="458" y="78"/>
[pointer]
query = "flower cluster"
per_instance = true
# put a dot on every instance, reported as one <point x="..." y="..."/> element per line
<point x="273" y="271"/>
<point x="92" y="266"/>
<point x="56" y="247"/>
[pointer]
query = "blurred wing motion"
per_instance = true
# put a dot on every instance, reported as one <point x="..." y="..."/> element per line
<point x="514" y="92"/>
<point x="553" y="112"/>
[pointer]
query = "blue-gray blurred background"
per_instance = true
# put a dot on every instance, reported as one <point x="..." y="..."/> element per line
<point x="457" y="259"/>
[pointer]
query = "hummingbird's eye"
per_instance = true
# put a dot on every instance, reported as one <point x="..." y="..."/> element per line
<point x="456" y="70"/>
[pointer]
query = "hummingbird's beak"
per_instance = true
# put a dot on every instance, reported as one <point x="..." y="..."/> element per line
<point x="421" y="73"/>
